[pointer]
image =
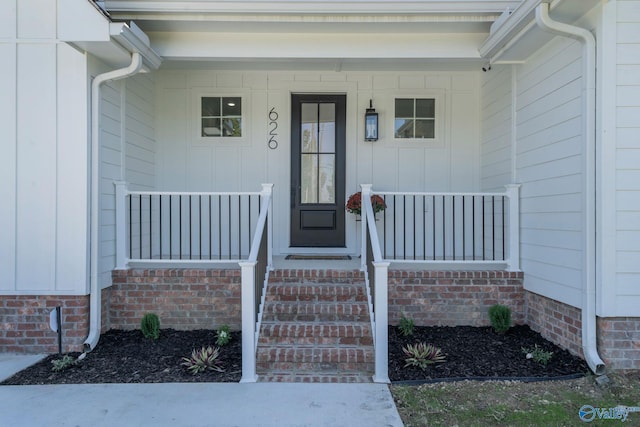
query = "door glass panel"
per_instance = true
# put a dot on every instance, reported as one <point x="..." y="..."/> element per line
<point x="327" y="178"/>
<point x="327" y="134"/>
<point x="309" y="178"/>
<point x="318" y="160"/>
<point x="309" y="128"/>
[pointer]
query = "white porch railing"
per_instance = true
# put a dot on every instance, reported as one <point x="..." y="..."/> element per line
<point x="433" y="228"/>
<point x="198" y="229"/>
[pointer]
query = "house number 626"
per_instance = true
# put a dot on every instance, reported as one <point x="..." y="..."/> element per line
<point x="273" y="125"/>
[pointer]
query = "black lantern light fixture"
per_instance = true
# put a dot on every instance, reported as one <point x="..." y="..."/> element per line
<point x="371" y="123"/>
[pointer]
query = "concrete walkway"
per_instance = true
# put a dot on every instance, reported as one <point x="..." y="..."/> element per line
<point x="193" y="404"/>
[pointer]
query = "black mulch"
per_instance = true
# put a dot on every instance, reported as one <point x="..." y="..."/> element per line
<point x="128" y="357"/>
<point x="480" y="352"/>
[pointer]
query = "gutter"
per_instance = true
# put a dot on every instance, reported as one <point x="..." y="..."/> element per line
<point x="589" y="343"/>
<point x="143" y="58"/>
<point x="95" y="314"/>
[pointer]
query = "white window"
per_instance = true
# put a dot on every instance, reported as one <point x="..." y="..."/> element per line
<point x="415" y="118"/>
<point x="221" y="117"/>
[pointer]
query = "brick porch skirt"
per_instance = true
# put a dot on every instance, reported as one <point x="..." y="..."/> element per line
<point x="206" y="299"/>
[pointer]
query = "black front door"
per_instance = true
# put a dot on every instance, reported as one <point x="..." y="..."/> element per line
<point x="317" y="170"/>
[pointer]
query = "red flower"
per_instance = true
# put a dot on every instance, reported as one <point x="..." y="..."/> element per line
<point x="354" y="204"/>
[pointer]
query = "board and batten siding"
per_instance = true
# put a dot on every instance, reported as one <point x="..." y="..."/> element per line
<point x="625" y="300"/>
<point x="43" y="155"/>
<point x="127" y="153"/>
<point x="496" y="128"/>
<point x="187" y="162"/>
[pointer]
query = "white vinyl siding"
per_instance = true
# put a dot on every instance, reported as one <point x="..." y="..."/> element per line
<point x="549" y="154"/>
<point x="127" y="152"/>
<point x="626" y="299"/>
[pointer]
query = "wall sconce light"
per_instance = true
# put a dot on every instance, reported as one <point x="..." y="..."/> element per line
<point x="371" y="123"/>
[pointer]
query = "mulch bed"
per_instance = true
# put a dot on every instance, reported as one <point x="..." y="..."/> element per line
<point x="479" y="352"/>
<point x="471" y="352"/>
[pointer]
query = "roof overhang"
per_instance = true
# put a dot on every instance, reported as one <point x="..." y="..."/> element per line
<point x="84" y="25"/>
<point x="518" y="36"/>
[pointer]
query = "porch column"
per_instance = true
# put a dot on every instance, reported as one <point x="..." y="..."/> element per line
<point x="248" y="296"/>
<point x="381" y="312"/>
<point x="121" y="225"/>
<point x="513" y="193"/>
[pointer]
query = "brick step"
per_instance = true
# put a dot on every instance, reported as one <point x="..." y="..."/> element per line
<point x="315" y="328"/>
<point x="315" y="378"/>
<point x="309" y="360"/>
<point x="329" y="334"/>
<point x="315" y="292"/>
<point x="336" y="312"/>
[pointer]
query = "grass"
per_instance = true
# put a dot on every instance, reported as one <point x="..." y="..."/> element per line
<point x="512" y="403"/>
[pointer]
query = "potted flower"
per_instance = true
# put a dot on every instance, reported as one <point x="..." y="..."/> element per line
<point x="354" y="204"/>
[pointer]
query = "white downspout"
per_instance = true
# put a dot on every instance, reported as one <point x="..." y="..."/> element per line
<point x="589" y="344"/>
<point x="94" y="296"/>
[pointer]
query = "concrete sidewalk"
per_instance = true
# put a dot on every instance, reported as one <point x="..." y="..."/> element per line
<point x="195" y="404"/>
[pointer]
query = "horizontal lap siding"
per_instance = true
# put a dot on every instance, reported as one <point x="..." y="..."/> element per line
<point x="127" y="121"/>
<point x="549" y="167"/>
<point x="626" y="301"/>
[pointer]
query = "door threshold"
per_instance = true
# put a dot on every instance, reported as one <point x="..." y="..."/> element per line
<point x="319" y="257"/>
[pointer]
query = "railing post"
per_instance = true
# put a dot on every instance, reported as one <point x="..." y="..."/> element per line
<point x="513" y="193"/>
<point x="267" y="191"/>
<point x="365" y="192"/>
<point x="121" y="224"/>
<point x="248" y="296"/>
<point x="381" y="305"/>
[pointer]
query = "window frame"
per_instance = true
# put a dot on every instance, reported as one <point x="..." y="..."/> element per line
<point x="221" y="140"/>
<point x="439" y="119"/>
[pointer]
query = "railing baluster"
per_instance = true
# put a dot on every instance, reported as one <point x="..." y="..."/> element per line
<point x="150" y="231"/>
<point x="473" y="227"/>
<point x="180" y="229"/>
<point x="484" y="250"/>
<point x="200" y="225"/>
<point x="160" y="225"/>
<point x="444" y="231"/>
<point x="384" y="229"/>
<point x="404" y="227"/>
<point x="493" y="226"/>
<point x="503" y="227"/>
<point x="464" y="220"/>
<point x="394" y="227"/>
<point x="190" y="230"/>
<point x="433" y="227"/>
<point x="170" y="227"/>
<point x="239" y="227"/>
<point x="130" y="197"/>
<point x="229" y="228"/>
<point x="453" y="209"/>
<point x="219" y="227"/>
<point x="424" y="229"/>
<point x="210" y="230"/>
<point x="414" y="227"/>
<point x="140" y="226"/>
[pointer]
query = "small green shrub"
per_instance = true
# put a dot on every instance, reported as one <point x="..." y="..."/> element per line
<point x="538" y="354"/>
<point x="406" y="326"/>
<point x="422" y="355"/>
<point x="62" y="364"/>
<point x="202" y="360"/>
<point x="223" y="336"/>
<point x="150" y="326"/>
<point x="500" y="317"/>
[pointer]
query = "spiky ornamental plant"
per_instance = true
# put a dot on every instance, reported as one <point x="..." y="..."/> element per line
<point x="422" y="355"/>
<point x="500" y="317"/>
<point x="150" y="326"/>
<point x="202" y="360"/>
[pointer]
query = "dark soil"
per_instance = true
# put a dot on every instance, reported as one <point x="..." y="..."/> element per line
<point x="479" y="352"/>
<point x="128" y="357"/>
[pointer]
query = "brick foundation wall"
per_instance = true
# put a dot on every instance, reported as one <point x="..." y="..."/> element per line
<point x="559" y="323"/>
<point x="24" y="325"/>
<point x="453" y="298"/>
<point x="619" y="342"/>
<point x="182" y="298"/>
